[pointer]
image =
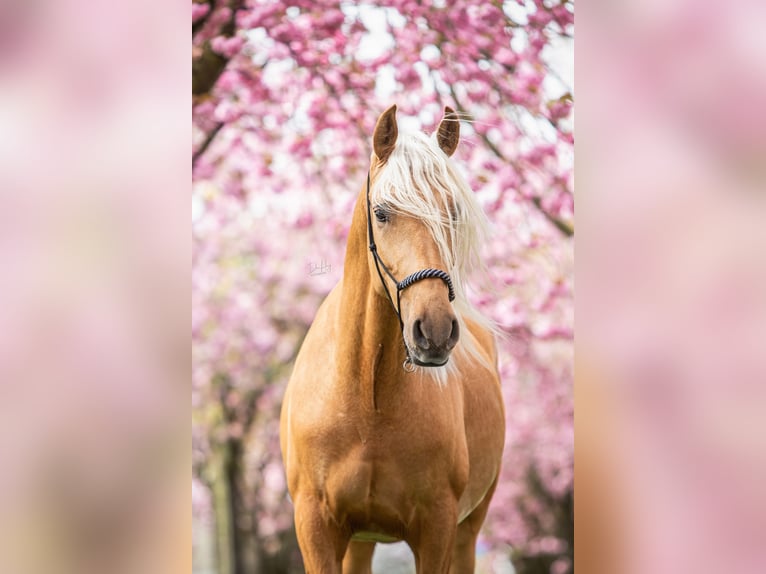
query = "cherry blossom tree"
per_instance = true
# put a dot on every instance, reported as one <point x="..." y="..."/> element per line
<point x="285" y="99"/>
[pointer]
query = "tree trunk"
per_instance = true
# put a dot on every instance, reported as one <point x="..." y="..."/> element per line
<point x="239" y="549"/>
<point x="224" y="523"/>
<point x="246" y="548"/>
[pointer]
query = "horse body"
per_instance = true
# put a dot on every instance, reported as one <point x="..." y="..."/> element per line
<point x="374" y="453"/>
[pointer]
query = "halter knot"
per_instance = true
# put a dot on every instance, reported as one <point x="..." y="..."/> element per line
<point x="427" y="274"/>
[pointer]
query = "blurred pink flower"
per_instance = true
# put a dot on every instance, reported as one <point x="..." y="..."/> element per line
<point x="227" y="47"/>
<point x="199" y="10"/>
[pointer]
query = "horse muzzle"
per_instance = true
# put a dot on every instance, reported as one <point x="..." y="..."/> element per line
<point x="433" y="341"/>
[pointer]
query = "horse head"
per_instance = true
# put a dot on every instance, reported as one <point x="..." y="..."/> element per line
<point x="419" y="227"/>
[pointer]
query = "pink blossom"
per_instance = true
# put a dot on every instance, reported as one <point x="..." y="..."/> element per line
<point x="540" y="18"/>
<point x="559" y="109"/>
<point x="563" y="15"/>
<point x="227" y="112"/>
<point x="506" y="57"/>
<point x="227" y="47"/>
<point x="304" y="220"/>
<point x="199" y="10"/>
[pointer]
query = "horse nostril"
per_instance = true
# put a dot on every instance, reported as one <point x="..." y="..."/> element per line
<point x="454" y="335"/>
<point x="418" y="336"/>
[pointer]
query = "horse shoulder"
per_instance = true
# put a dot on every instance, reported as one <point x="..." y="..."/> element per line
<point x="482" y="391"/>
<point x="484" y="419"/>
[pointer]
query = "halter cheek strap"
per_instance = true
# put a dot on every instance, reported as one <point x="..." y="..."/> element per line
<point x="404" y="283"/>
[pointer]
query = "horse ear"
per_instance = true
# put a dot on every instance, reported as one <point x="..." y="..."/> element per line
<point x="448" y="134"/>
<point x="385" y="134"/>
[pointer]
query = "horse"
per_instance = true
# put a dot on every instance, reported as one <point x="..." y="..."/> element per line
<point x="392" y="425"/>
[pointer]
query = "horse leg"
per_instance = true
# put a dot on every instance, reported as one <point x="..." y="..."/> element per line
<point x="464" y="554"/>
<point x="433" y="540"/>
<point x="321" y="540"/>
<point x="358" y="559"/>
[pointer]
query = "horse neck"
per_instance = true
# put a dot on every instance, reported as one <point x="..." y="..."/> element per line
<point x="370" y="338"/>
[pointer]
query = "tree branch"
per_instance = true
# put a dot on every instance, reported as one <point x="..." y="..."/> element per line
<point x="564" y="227"/>
<point x="206" y="143"/>
<point x="208" y="67"/>
<point x="198" y="25"/>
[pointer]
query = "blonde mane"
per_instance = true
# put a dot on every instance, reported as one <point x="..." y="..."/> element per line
<point x="418" y="179"/>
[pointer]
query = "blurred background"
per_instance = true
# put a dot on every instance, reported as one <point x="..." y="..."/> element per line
<point x="285" y="97"/>
<point x="671" y="273"/>
<point x="94" y="296"/>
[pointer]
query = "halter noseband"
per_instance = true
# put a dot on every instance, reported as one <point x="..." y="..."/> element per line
<point x="411" y="279"/>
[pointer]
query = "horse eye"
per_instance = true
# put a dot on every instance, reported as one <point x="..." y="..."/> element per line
<point x="381" y="214"/>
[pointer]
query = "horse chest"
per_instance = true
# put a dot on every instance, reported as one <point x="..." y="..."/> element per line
<point x="389" y="467"/>
<point x="394" y="444"/>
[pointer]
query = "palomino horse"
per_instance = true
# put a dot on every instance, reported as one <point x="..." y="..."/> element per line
<point x="377" y="449"/>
